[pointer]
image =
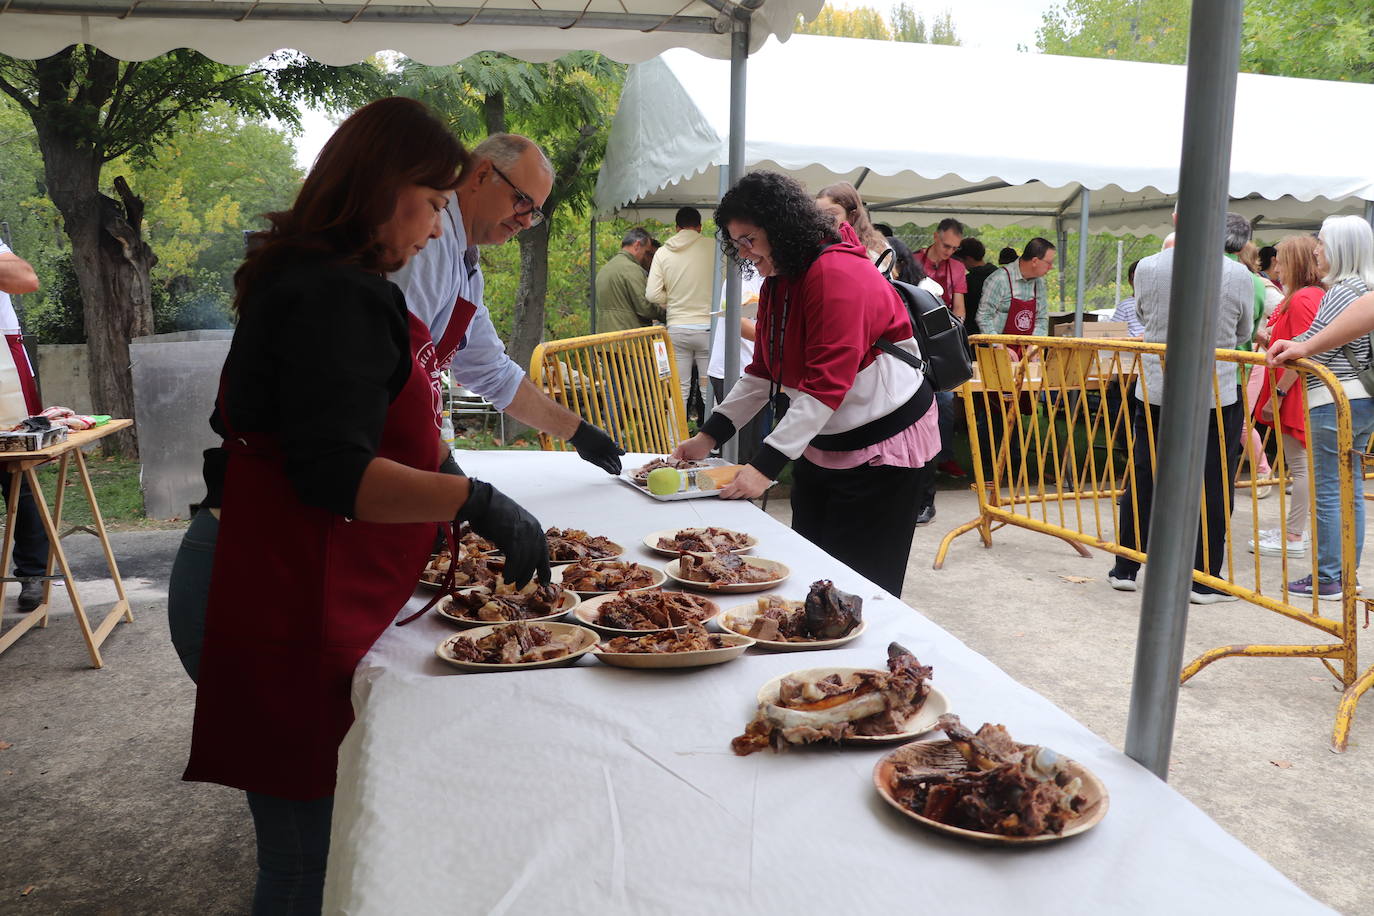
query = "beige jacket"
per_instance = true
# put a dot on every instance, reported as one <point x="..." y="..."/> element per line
<point x="680" y="278"/>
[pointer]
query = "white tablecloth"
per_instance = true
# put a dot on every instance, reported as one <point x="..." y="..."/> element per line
<point x="594" y="789"/>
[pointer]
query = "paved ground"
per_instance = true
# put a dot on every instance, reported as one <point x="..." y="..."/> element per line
<point x="96" y="819"/>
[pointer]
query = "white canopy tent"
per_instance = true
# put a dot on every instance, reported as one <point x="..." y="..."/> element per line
<point x="822" y="109"/>
<point x="431" y="31"/>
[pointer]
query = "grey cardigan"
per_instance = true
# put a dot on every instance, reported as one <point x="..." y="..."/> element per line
<point x="1235" y="319"/>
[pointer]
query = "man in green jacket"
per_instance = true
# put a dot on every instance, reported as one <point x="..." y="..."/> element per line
<point x="620" y="302"/>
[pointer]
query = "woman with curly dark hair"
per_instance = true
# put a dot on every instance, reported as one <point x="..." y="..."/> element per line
<point x="834" y="337"/>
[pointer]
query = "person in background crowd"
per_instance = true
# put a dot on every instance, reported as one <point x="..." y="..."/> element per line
<point x="1267" y="298"/>
<point x="326" y="526"/>
<point x="907" y="269"/>
<point x="620" y="302"/>
<point x="1015" y="297"/>
<point x="31" y="545"/>
<point x="680" y="279"/>
<point x="1004" y="257"/>
<point x="1235" y="325"/>
<point x="1168" y="242"/>
<point x="1297" y="261"/>
<point x="752" y="433"/>
<point x="861" y="420"/>
<point x="842" y="203"/>
<point x="1125" y="309"/>
<point x="939" y="264"/>
<point x="1267" y="255"/>
<point x="1345" y="255"/>
<point x="654" y="246"/>
<point x="444" y="287"/>
<point x="971" y="254"/>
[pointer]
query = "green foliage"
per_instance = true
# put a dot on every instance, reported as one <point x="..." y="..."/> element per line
<point x="1334" y="39"/>
<point x="903" y="24"/>
<point x="53" y="314"/>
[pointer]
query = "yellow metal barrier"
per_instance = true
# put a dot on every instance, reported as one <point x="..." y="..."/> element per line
<point x="1058" y="440"/>
<point x="624" y="381"/>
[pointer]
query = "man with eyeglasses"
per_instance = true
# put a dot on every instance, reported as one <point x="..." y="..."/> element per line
<point x="507" y="182"/>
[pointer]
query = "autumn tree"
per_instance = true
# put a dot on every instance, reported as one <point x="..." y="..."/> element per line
<point x="904" y="24"/>
<point x="566" y="107"/>
<point x="89" y="109"/>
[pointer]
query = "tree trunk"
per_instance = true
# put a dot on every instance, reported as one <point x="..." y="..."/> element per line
<point x="111" y="262"/>
<point x="527" y="330"/>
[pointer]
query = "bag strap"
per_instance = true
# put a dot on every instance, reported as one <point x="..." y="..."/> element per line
<point x="915" y="362"/>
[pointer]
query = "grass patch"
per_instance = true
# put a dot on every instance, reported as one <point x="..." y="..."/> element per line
<point x="116" y="485"/>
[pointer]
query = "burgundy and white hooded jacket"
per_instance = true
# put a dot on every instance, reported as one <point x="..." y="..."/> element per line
<point x="828" y="364"/>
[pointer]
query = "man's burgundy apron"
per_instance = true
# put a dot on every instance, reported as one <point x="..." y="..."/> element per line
<point x="1021" y="314"/>
<point x="298" y="596"/>
<point x="25" y="370"/>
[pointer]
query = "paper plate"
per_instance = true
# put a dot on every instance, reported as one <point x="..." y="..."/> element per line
<point x="740" y="619"/>
<point x="780" y="571"/>
<point x="651" y="541"/>
<point x="587" y="611"/>
<point x="920" y="722"/>
<point x="586" y="642"/>
<point x="695" y="659"/>
<point x="942" y="755"/>
<point x="567" y="602"/>
<point x="658" y="579"/>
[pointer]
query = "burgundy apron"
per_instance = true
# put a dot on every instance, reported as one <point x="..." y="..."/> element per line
<point x="25" y="369"/>
<point x="297" y="597"/>
<point x="1020" y="314"/>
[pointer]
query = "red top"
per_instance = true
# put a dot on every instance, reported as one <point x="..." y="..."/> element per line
<point x="952" y="275"/>
<point x="1285" y="325"/>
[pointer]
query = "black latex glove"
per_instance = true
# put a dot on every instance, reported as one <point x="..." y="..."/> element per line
<point x="504" y="522"/>
<point x="593" y="445"/>
<point x="450" y="466"/>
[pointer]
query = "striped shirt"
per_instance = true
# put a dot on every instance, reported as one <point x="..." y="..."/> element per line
<point x="1337" y="300"/>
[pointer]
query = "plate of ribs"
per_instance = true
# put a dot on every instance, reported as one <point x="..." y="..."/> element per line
<point x="826" y="619"/>
<point x="985" y="787"/>
<point x="845" y="705"/>
<point x="672" y="542"/>
<point x="475" y="607"/>
<point x="568" y="545"/>
<point x="637" y="613"/>
<point x="517" y="646"/>
<point x="604" y="577"/>
<point x="726" y="572"/>
<point x="639" y="477"/>
<point x="692" y="647"/>
<point x="474" y="567"/>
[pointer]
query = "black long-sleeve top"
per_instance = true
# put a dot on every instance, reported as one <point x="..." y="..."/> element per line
<point x="317" y="358"/>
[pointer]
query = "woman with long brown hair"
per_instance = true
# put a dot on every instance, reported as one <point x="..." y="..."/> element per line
<point x="327" y="486"/>
<point x="1302" y="294"/>
<point x="842" y="203"/>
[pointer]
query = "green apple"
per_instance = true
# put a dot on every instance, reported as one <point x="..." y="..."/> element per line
<point x="665" y="481"/>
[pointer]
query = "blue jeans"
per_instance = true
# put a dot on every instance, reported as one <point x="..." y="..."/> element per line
<point x="1326" y="482"/>
<point x="293" y="846"/>
<point x="188" y="593"/>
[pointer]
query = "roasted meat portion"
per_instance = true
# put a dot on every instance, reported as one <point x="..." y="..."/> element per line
<point x="835" y="706"/>
<point x="998" y="786"/>
<point x="641" y="474"/>
<point x="652" y="610"/>
<point x="473" y="568"/>
<point x="475" y="542"/>
<point x="720" y="568"/>
<point x="506" y="602"/>
<point x="827" y="613"/>
<point x="514" y="644"/>
<point x="704" y="540"/>
<point x="606" y="576"/>
<point x="575" y="544"/>
<point x="694" y="639"/>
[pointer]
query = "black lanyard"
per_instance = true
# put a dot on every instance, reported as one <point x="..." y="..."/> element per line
<point x="776" y="331"/>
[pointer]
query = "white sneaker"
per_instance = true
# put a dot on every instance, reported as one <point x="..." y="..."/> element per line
<point x="1120" y="584"/>
<point x="1271" y="543"/>
<point x="1197" y="597"/>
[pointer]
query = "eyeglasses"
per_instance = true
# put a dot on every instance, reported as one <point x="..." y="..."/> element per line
<point x="744" y="242"/>
<point x="523" y="202"/>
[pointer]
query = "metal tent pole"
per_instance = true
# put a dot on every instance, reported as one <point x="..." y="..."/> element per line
<point x="1084" y="206"/>
<point x="591" y="272"/>
<point x="739" y="59"/>
<point x="1120" y="247"/>
<point x="1061" y="241"/>
<point x="716" y="296"/>
<point x="1209" y="115"/>
<point x="1369" y="212"/>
